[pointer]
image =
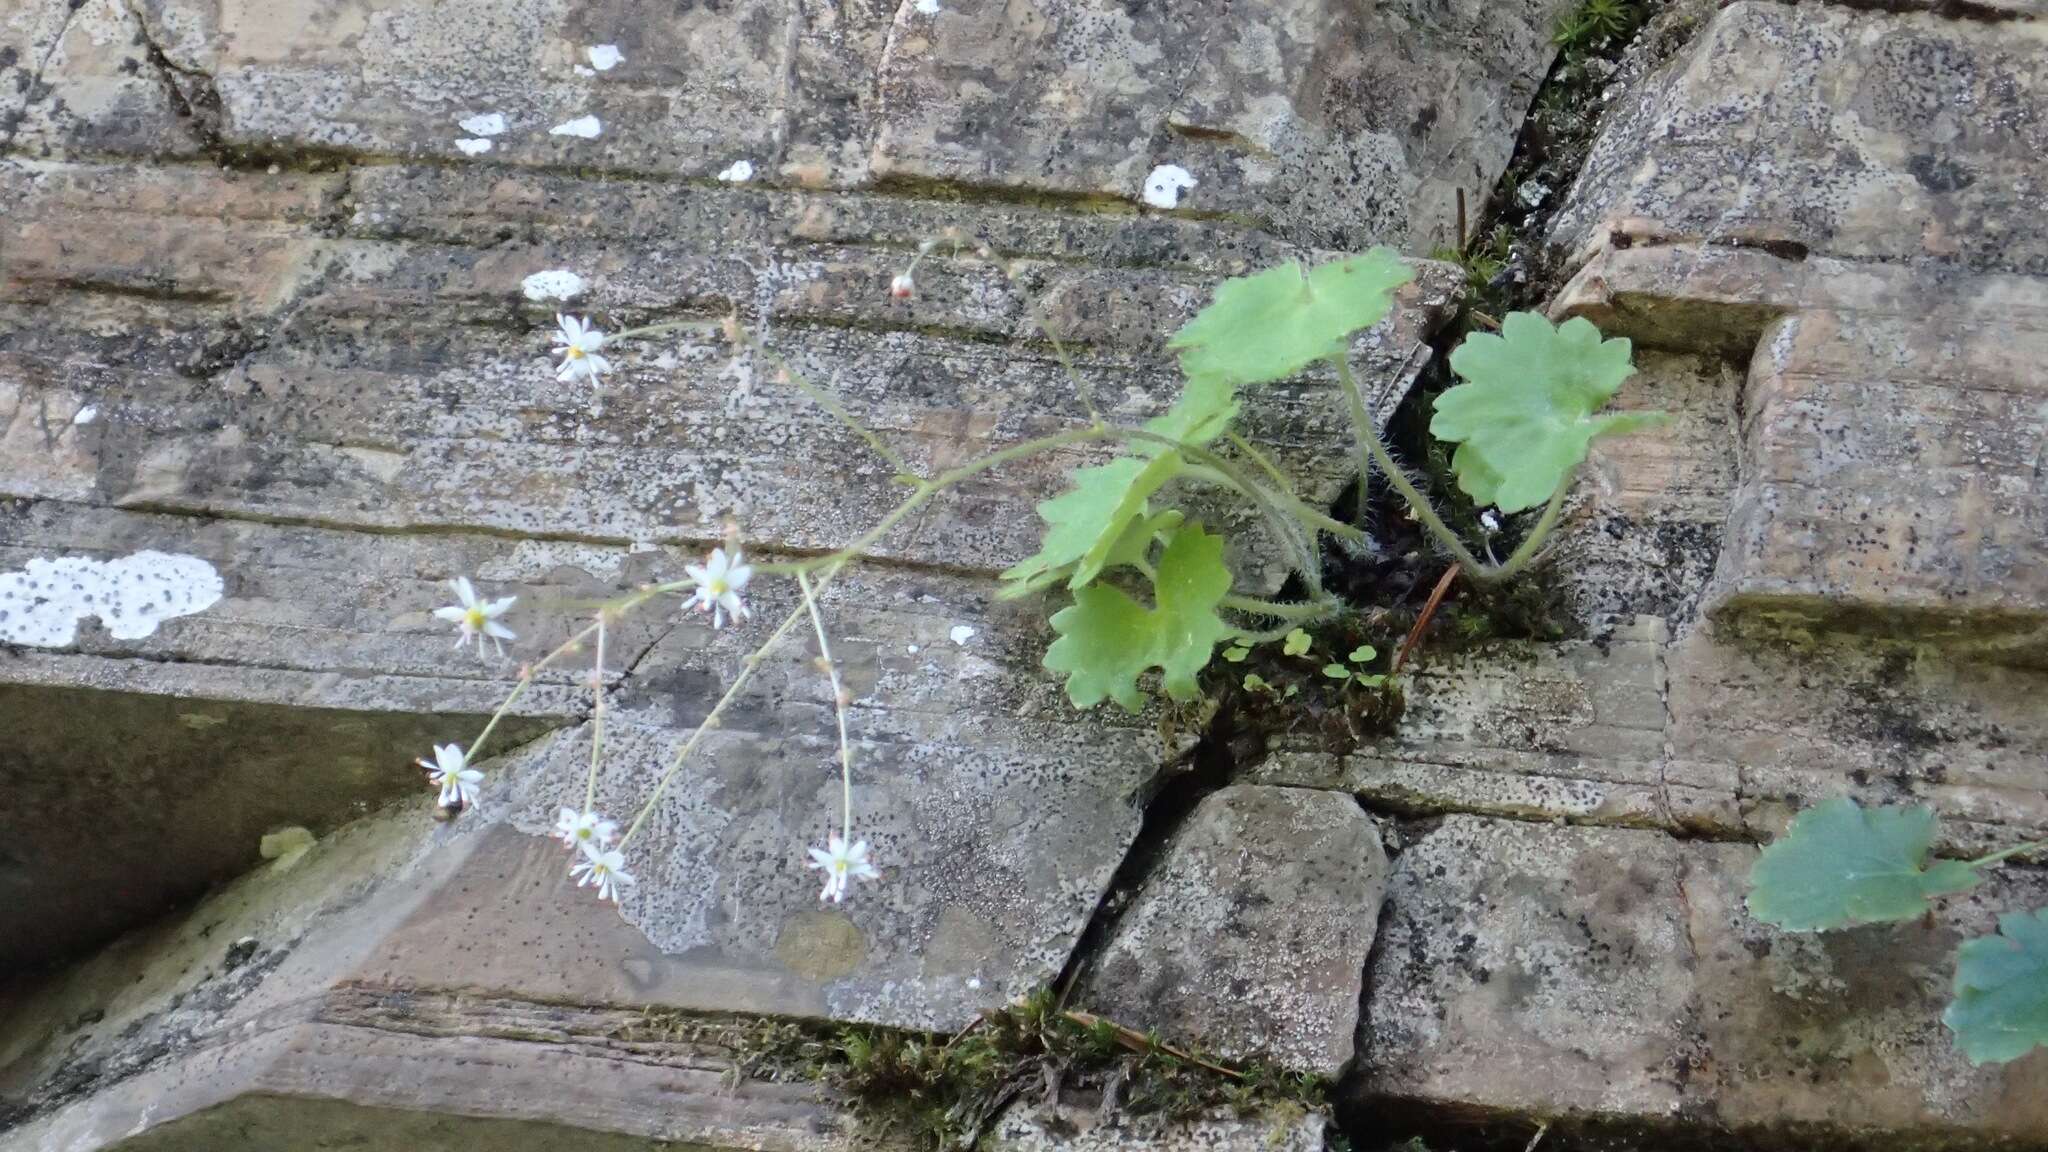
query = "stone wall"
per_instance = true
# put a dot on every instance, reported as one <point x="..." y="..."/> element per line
<point x="267" y="303"/>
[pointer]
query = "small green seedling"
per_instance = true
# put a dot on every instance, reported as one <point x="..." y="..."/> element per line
<point x="1354" y="673"/>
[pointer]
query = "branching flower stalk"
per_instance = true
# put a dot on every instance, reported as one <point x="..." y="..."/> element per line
<point x="1520" y="444"/>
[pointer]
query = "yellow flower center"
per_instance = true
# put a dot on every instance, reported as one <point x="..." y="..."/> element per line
<point x="474" y="619"/>
<point x="575" y="353"/>
<point x="717" y="586"/>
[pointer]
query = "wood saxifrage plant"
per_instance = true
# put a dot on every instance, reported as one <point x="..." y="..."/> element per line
<point x="1147" y="586"/>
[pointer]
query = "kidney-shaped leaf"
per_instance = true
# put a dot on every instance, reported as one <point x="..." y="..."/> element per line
<point x="1524" y="416"/>
<point x="1840" y="865"/>
<point x="2000" y="1010"/>
<point x="1107" y="640"/>
<point x="1084" y="524"/>
<point x="1273" y="324"/>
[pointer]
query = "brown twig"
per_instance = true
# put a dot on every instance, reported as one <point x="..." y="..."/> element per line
<point x="1137" y="1041"/>
<point x="1436" y="597"/>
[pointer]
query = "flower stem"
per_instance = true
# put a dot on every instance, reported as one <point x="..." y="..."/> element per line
<point x="839" y="703"/>
<point x="519" y="689"/>
<point x="596" y="716"/>
<point x="831" y="404"/>
<point x="2015" y="850"/>
<point x="1314" y="610"/>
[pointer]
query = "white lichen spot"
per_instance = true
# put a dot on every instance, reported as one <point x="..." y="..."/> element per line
<point x="912" y="648"/>
<point x="554" y="284"/>
<point x="603" y="57"/>
<point x="738" y="172"/>
<point x="582" y="70"/>
<point x="584" y="127"/>
<point x="927" y="7"/>
<point x="488" y="124"/>
<point x="86" y="415"/>
<point x="961" y="633"/>
<point x="473" y="145"/>
<point x="1165" y="185"/>
<point x="41" y="605"/>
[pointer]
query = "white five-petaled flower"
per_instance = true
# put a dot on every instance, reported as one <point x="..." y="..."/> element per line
<point x="577" y="829"/>
<point x="577" y="343"/>
<point x="605" y="868"/>
<point x="842" y="864"/>
<point x="476" y="618"/>
<point x="719" y="581"/>
<point x="450" y="770"/>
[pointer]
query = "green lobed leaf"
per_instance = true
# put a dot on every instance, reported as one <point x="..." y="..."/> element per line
<point x="1297" y="643"/>
<point x="1524" y="416"/>
<point x="1086" y="525"/>
<point x="1205" y="408"/>
<point x="1840" y="865"/>
<point x="1107" y="640"/>
<point x="1273" y="324"/>
<point x="2000" y="1009"/>
<point x="1337" y="671"/>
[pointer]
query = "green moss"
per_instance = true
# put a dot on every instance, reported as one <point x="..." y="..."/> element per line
<point x="942" y="1092"/>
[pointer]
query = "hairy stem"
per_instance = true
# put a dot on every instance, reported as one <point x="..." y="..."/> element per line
<point x="519" y="689"/>
<point x="596" y="717"/>
<point x="839" y="703"/>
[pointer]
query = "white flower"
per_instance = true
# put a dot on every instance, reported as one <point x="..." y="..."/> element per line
<point x="450" y="770"/>
<point x="841" y="866"/>
<point x="903" y="287"/>
<point x="719" y="581"/>
<point x="577" y="343"/>
<point x="605" y="868"/>
<point x="577" y="829"/>
<point x="477" y="618"/>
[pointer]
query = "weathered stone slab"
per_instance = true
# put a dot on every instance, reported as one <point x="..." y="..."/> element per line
<point x="1570" y="731"/>
<point x="873" y="94"/>
<point x="1271" y="121"/>
<point x="338" y="412"/>
<point x="1821" y="128"/>
<point x="1072" y="1129"/>
<point x="1893" y="472"/>
<point x="90" y="84"/>
<point x="1610" y="979"/>
<point x="144" y="769"/>
<point x="1250" y="938"/>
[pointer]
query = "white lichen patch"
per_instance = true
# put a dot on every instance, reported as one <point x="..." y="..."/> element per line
<point x="738" y="172"/>
<point x="927" y="7"/>
<point x="583" y="127"/>
<point x="554" y="284"/>
<point x="41" y="605"/>
<point x="487" y="124"/>
<point x="961" y="633"/>
<point x="473" y="146"/>
<point x="1166" y="184"/>
<point x="604" y="57"/>
<point x="86" y="415"/>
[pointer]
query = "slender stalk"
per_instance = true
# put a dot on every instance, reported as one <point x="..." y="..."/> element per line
<point x="519" y="689"/>
<point x="839" y="703"/>
<point x="1314" y="610"/>
<point x="596" y="717"/>
<point x="1374" y="453"/>
<point x="2015" y="850"/>
<point x="830" y="403"/>
<point x="710" y="722"/>
<point x="1259" y="458"/>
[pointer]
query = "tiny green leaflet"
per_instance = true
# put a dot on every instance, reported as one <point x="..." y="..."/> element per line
<point x="1523" y="418"/>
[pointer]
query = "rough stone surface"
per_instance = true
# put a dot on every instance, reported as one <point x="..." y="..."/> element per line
<point x="1250" y="938"/>
<point x="1817" y="128"/>
<point x="1601" y="975"/>
<point x="1044" y="1129"/>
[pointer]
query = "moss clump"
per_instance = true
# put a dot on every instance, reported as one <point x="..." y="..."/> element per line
<point x="942" y="1092"/>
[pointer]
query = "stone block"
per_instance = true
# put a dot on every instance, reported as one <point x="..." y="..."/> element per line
<point x="1610" y="982"/>
<point x="1831" y="130"/>
<point x="1251" y="936"/>
<point x="1071" y="1129"/>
